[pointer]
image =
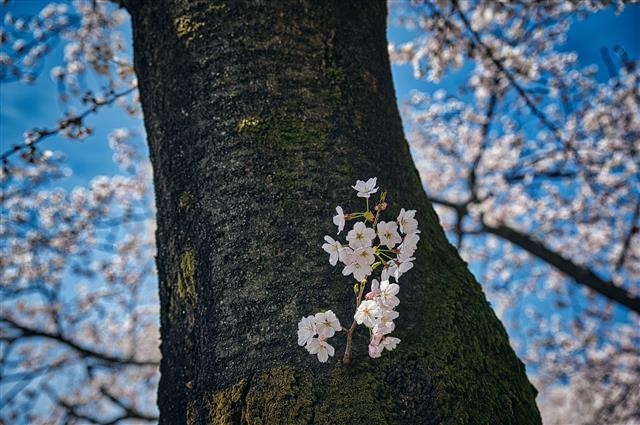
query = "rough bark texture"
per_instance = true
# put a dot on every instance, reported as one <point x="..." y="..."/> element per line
<point x="260" y="115"/>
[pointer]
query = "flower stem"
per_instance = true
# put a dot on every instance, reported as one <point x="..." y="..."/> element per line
<point x="346" y="359"/>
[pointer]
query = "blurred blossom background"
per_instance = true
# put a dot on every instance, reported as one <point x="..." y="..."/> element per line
<point x="524" y="122"/>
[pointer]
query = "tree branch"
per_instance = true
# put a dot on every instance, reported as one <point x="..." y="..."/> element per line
<point x="462" y="208"/>
<point x="128" y="410"/>
<point x="580" y="274"/>
<point x="635" y="228"/>
<point x="42" y="134"/>
<point x="76" y="414"/>
<point x="84" y="351"/>
<point x="472" y="178"/>
<point x="512" y="80"/>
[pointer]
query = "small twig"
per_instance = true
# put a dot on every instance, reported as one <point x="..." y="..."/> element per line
<point x="63" y="124"/>
<point x="347" y="351"/>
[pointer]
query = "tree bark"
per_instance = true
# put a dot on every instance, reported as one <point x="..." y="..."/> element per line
<point x="259" y="116"/>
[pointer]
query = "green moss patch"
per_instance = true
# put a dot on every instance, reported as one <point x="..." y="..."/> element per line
<point x="225" y="407"/>
<point x="186" y="277"/>
<point x="282" y="131"/>
<point x="186" y="201"/>
<point x="187" y="29"/>
<point x="280" y="396"/>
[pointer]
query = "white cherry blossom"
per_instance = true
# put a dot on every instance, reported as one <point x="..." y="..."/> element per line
<point x="339" y="219"/>
<point x="346" y="255"/>
<point x="388" y="234"/>
<point x="376" y="307"/>
<point x="327" y="324"/>
<point x="409" y="246"/>
<point x="375" y="290"/>
<point x="407" y="222"/>
<point x="395" y="268"/>
<point x="366" y="313"/>
<point x="390" y="342"/>
<point x="403" y="267"/>
<point x="375" y="350"/>
<point x="360" y="235"/>
<point x="365" y="189"/>
<point x="306" y="330"/>
<point x="364" y="255"/>
<point x="384" y="322"/>
<point x="321" y="348"/>
<point x="332" y="248"/>
<point x="359" y="271"/>
<point x="388" y="292"/>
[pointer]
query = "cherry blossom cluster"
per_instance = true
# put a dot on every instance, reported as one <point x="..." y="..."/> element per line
<point x="324" y="325"/>
<point x="371" y="244"/>
<point x="377" y="313"/>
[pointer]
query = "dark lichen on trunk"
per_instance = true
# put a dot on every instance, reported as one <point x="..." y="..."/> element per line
<point x="260" y="115"/>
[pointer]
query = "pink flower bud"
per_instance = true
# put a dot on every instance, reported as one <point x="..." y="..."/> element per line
<point x="371" y="295"/>
<point x="375" y="351"/>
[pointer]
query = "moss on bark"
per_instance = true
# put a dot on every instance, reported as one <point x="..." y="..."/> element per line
<point x="284" y="395"/>
<point x="186" y="201"/>
<point x="187" y="278"/>
<point x="280" y="395"/>
<point x="335" y="78"/>
<point x="225" y="407"/>
<point x="187" y="29"/>
<point x="282" y="131"/>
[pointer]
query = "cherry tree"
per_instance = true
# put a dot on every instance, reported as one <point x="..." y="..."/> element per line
<point x="547" y="212"/>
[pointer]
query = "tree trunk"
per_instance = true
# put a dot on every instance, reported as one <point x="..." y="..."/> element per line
<point x="260" y="115"/>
